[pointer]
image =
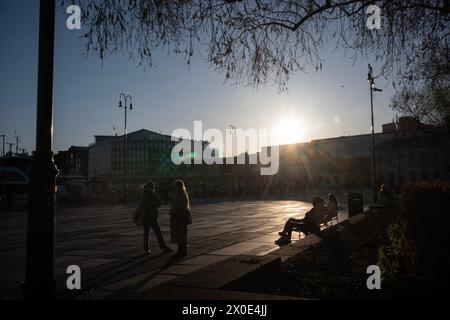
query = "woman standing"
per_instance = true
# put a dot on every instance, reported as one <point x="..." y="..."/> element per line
<point x="179" y="218"/>
<point x="147" y="215"/>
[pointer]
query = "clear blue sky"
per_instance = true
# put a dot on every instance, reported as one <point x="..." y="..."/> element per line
<point x="169" y="96"/>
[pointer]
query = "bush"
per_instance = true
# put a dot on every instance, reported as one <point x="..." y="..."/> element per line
<point x="425" y="228"/>
<point x="391" y="257"/>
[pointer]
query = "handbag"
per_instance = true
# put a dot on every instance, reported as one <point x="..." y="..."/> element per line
<point x="188" y="216"/>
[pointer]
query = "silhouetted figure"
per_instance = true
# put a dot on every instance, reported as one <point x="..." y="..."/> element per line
<point x="147" y="216"/>
<point x="180" y="217"/>
<point x="309" y="224"/>
<point x="332" y="207"/>
<point x="385" y="196"/>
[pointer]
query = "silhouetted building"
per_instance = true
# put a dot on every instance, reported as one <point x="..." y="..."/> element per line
<point x="148" y="157"/>
<point x="409" y="158"/>
<point x="345" y="162"/>
<point x="74" y="161"/>
<point x="389" y="127"/>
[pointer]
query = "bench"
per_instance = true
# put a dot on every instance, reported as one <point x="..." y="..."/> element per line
<point x="328" y="219"/>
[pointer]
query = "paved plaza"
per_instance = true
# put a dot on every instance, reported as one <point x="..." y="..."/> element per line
<point x="107" y="246"/>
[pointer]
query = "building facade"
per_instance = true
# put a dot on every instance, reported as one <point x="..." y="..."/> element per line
<point x="411" y="157"/>
<point x="405" y="151"/>
<point x="148" y="157"/>
<point x="73" y="162"/>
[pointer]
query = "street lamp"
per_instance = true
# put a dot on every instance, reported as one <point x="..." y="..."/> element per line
<point x="233" y="130"/>
<point x="125" y="106"/>
<point x="3" y="145"/>
<point x="373" y="89"/>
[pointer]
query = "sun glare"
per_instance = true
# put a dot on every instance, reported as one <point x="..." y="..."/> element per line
<point x="289" y="130"/>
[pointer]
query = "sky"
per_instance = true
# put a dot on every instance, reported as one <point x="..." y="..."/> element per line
<point x="329" y="103"/>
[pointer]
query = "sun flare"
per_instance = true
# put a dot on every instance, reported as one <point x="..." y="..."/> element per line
<point x="289" y="130"/>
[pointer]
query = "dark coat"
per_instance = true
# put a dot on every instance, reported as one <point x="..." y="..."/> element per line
<point x="148" y="208"/>
<point x="313" y="219"/>
<point x="178" y="218"/>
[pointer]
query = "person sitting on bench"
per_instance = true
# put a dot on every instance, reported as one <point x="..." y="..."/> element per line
<point x="309" y="224"/>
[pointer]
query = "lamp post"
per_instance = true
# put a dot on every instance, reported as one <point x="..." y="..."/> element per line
<point x="233" y="142"/>
<point x="39" y="281"/>
<point x="2" y="163"/>
<point x="3" y="144"/>
<point x="125" y="106"/>
<point x="372" y="88"/>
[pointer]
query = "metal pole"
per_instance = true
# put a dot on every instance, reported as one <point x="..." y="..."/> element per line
<point x="3" y="163"/>
<point x="17" y="144"/>
<point x="39" y="282"/>
<point x="374" y="170"/>
<point x="3" y="145"/>
<point x="126" y="154"/>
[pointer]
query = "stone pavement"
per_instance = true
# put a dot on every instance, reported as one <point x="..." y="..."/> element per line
<point x="104" y="242"/>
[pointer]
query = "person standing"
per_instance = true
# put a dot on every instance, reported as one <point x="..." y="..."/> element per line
<point x="180" y="217"/>
<point x="147" y="215"/>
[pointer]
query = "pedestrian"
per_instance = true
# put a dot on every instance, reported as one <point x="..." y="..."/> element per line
<point x="146" y="215"/>
<point x="180" y="217"/>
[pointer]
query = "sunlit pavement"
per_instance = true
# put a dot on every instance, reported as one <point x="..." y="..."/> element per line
<point x="104" y="242"/>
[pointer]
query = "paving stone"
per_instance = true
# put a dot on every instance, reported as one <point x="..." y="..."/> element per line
<point x="238" y="248"/>
<point x="104" y="240"/>
<point x="223" y="273"/>
<point x="204" y="260"/>
<point x="138" y="283"/>
<point x="180" y="269"/>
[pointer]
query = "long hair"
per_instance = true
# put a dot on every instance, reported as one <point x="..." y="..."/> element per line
<point x="180" y="190"/>
<point x="332" y="197"/>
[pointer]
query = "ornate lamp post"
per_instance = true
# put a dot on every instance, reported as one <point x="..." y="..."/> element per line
<point x="125" y="106"/>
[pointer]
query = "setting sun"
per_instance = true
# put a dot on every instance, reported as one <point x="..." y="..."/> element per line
<point x="289" y="130"/>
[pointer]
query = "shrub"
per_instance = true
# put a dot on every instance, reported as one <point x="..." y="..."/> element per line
<point x="391" y="257"/>
<point x="425" y="228"/>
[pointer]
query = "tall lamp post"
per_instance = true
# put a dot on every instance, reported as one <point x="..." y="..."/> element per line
<point x="2" y="181"/>
<point x="125" y="106"/>
<point x="39" y="281"/>
<point x="373" y="89"/>
<point x="3" y="146"/>
<point x="233" y="130"/>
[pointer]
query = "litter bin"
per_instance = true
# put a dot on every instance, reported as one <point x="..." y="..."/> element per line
<point x="355" y="204"/>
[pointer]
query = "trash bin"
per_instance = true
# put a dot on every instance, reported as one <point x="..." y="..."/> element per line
<point x="355" y="204"/>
